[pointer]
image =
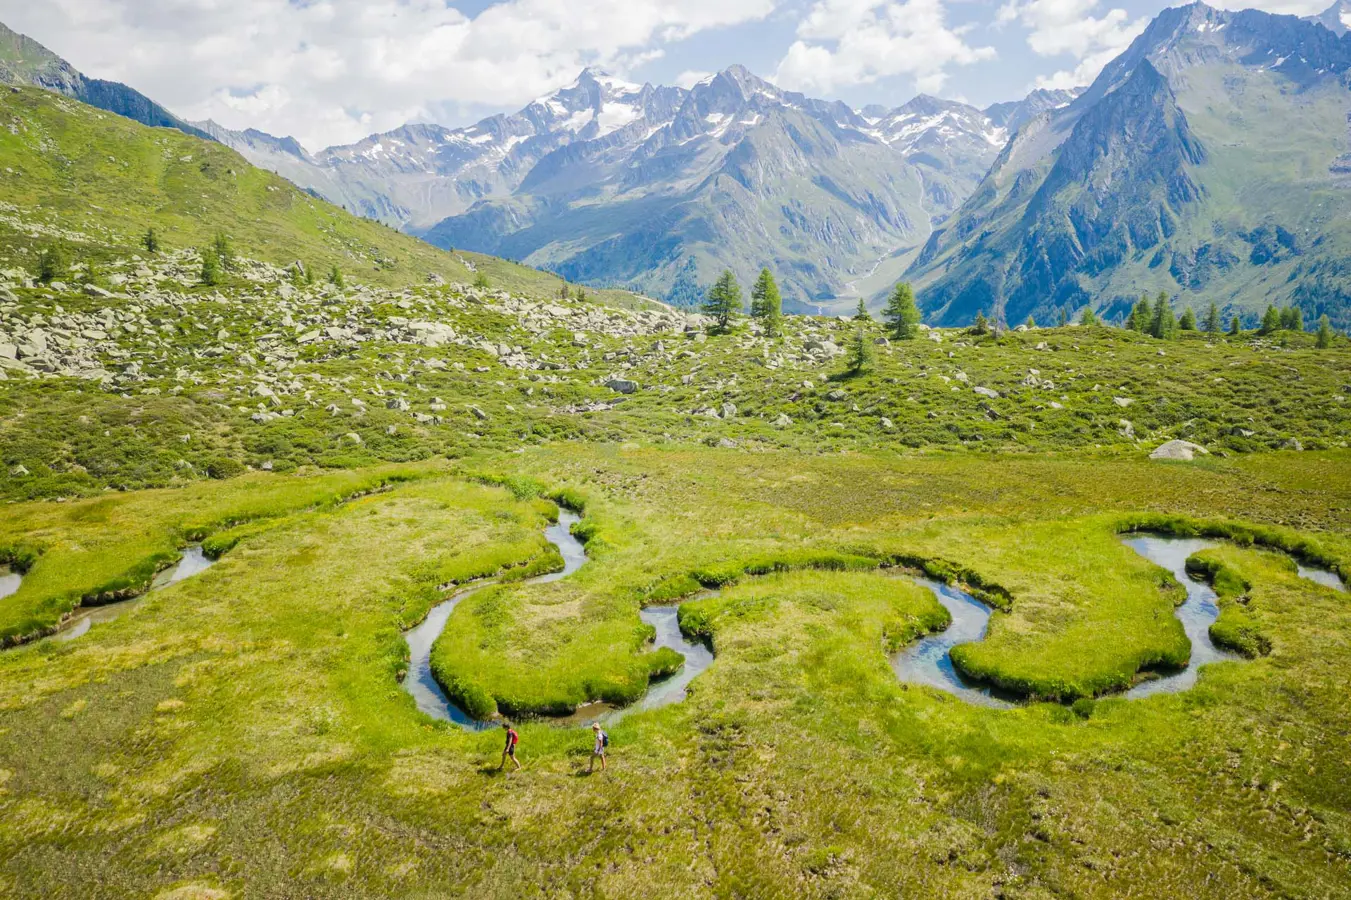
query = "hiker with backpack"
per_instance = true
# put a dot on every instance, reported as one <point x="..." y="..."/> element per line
<point x="510" y="749"/>
<point x="602" y="742"/>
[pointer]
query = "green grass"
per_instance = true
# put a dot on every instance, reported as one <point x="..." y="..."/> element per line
<point x="244" y="730"/>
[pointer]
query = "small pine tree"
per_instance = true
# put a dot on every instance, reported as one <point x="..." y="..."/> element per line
<point x="51" y="265"/>
<point x="1188" y="320"/>
<point x="1164" y="325"/>
<point x="861" y="314"/>
<point x="1292" y="318"/>
<point x="1140" y="316"/>
<point x="1088" y="316"/>
<point x="1235" y="327"/>
<point x="581" y="294"/>
<point x="1271" y="321"/>
<point x="150" y="241"/>
<point x="766" y="303"/>
<point x="860" y="358"/>
<point x="723" y="303"/>
<point x="481" y="282"/>
<point x="1213" y="320"/>
<point x="901" y="314"/>
<point x="210" y="275"/>
<point x="92" y="273"/>
<point x="980" y="325"/>
<point x="298" y="273"/>
<point x="220" y="246"/>
<point x="1062" y="319"/>
<point x="335" y="278"/>
<point x="563" y="291"/>
<point x="1030" y="323"/>
<point x="1324" y="332"/>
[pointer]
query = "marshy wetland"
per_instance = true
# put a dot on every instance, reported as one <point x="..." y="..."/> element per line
<point x="260" y="704"/>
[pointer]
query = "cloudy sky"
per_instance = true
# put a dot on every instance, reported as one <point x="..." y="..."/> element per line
<point x="333" y="71"/>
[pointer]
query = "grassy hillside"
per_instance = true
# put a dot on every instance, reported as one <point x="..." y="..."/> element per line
<point x="95" y="182"/>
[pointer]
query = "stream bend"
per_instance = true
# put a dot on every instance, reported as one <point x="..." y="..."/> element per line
<point x="432" y="700"/>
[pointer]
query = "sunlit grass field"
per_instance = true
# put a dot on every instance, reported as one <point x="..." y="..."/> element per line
<point x="243" y="733"/>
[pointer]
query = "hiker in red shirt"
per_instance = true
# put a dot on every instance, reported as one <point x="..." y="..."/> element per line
<point x="510" y="749"/>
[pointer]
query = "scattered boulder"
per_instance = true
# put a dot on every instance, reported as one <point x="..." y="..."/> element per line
<point x="622" y="385"/>
<point x="1176" y="449"/>
<point x="987" y="392"/>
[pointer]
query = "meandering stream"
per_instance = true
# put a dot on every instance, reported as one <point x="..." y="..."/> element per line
<point x="929" y="660"/>
<point x="429" y="697"/>
<point x="193" y="562"/>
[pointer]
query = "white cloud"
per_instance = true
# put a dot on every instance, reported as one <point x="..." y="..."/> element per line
<point x="691" y="77"/>
<point x="847" y="42"/>
<point x="1069" y="27"/>
<point x="1283" y="7"/>
<point x="332" y="71"/>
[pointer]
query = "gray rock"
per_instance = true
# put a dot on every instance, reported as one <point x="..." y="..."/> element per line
<point x="478" y="413"/>
<point x="887" y="424"/>
<point x="836" y="395"/>
<point x="398" y="404"/>
<point x="1184" y="450"/>
<point x="986" y="392"/>
<point x="622" y="385"/>
<point x="729" y="411"/>
<point x="783" y="421"/>
<point x="1292" y="444"/>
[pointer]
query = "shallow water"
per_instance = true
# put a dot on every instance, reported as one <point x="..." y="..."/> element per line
<point x="1196" y="613"/>
<point x="9" y="581"/>
<point x="193" y="562"/>
<point x="427" y="694"/>
<point x="429" y="697"/>
<point x="929" y="659"/>
<point x="1325" y="577"/>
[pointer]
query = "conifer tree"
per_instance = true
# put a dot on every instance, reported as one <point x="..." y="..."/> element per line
<point x="1164" y="325"/>
<point x="1213" y="320"/>
<point x="1030" y="323"/>
<point x="1188" y="320"/>
<point x="860" y="359"/>
<point x="1324" y="332"/>
<point x="1235" y="327"/>
<point x="723" y="303"/>
<point x="335" y="278"/>
<point x="580" y="294"/>
<point x="1292" y="318"/>
<point x="980" y="325"/>
<point x="901" y="314"/>
<point x="51" y="265"/>
<point x="861" y="314"/>
<point x="1271" y="321"/>
<point x="1062" y="319"/>
<point x="766" y="304"/>
<point x="1088" y="316"/>
<point x="220" y="247"/>
<point x="210" y="274"/>
<point x="1140" y="316"/>
<point x="481" y="282"/>
<point x="150" y="241"/>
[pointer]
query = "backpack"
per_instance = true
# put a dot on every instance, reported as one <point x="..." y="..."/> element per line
<point x="604" y="739"/>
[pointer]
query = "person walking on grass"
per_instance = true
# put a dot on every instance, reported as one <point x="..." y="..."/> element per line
<point x="510" y="749"/>
<point x="602" y="742"/>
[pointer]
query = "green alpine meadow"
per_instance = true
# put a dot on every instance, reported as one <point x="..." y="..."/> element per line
<point x="336" y="562"/>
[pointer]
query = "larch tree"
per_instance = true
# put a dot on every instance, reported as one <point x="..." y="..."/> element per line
<point x="767" y="304"/>
<point x="723" y="303"/>
<point x="901" y="314"/>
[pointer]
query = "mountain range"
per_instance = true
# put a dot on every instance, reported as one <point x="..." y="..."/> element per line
<point x="1210" y="160"/>
<point x="657" y="189"/>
